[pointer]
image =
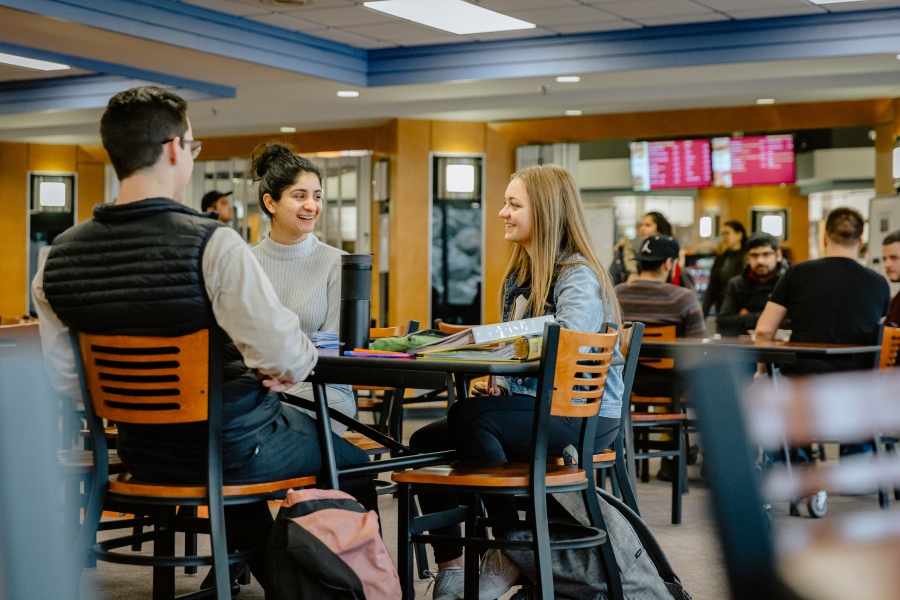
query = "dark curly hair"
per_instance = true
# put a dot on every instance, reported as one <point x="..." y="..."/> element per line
<point x="276" y="167"/>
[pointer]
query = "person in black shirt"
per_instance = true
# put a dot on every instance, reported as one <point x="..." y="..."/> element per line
<point x="748" y="292"/>
<point x="728" y="264"/>
<point x="832" y="300"/>
<point x="890" y="260"/>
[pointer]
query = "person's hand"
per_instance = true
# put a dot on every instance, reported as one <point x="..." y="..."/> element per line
<point x="480" y="388"/>
<point x="277" y="385"/>
<point x="743" y="312"/>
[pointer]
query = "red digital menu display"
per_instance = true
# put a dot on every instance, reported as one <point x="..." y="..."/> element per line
<point x="671" y="164"/>
<point x="753" y="160"/>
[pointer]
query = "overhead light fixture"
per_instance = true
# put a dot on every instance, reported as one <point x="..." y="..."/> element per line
<point x="766" y="101"/>
<point x="773" y="225"/>
<point x="348" y="94"/>
<point x="52" y="193"/>
<point x="573" y="113"/>
<point x="454" y="16"/>
<point x="568" y="79"/>
<point x="705" y="227"/>
<point x="834" y="1"/>
<point x="460" y="179"/>
<point x="31" y="63"/>
<point x="288" y="130"/>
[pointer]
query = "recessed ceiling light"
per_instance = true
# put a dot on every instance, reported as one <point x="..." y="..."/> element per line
<point x="30" y="63"/>
<point x="573" y="113"/>
<point x="454" y="16"/>
<point x="568" y="79"/>
<point x="288" y="130"/>
<point x="348" y="94"/>
<point x="834" y="1"/>
<point x="766" y="101"/>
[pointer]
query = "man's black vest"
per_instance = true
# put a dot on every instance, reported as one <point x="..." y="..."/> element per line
<point x="135" y="269"/>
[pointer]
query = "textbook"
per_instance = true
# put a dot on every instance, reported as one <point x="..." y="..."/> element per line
<point x="487" y="334"/>
<point x="518" y="349"/>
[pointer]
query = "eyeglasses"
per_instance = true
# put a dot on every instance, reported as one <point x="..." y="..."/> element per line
<point x="761" y="254"/>
<point x="196" y="145"/>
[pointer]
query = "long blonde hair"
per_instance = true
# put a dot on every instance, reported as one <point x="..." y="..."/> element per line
<point x="558" y="234"/>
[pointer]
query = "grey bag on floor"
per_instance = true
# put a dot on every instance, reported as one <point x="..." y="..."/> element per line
<point x="580" y="575"/>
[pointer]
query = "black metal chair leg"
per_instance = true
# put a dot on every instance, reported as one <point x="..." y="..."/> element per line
<point x="677" y="483"/>
<point x="883" y="498"/>
<point x="470" y="552"/>
<point x="542" y="565"/>
<point x="620" y="473"/>
<point x="683" y="462"/>
<point x="405" y="514"/>
<point x="164" y="545"/>
<point x="421" y="552"/>
<point x="190" y="539"/>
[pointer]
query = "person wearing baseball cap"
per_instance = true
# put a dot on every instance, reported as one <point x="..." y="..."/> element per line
<point x="219" y="203"/>
<point x="652" y="299"/>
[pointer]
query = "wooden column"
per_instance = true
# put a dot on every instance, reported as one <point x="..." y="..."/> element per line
<point x="886" y="136"/>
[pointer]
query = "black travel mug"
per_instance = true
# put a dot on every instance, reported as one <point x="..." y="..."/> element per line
<point x="356" y="299"/>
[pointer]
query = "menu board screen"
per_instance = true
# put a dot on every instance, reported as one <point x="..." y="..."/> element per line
<point x="670" y="164"/>
<point x="753" y="160"/>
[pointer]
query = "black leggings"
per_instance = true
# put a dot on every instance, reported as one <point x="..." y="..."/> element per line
<point x="496" y="429"/>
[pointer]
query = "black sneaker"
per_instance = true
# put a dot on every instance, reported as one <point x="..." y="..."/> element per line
<point x="666" y="469"/>
<point x="234" y="573"/>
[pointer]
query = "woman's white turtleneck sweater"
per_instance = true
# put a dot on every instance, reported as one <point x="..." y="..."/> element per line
<point x="307" y="279"/>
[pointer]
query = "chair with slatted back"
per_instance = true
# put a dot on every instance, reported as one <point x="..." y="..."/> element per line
<point x="156" y="381"/>
<point x="853" y="555"/>
<point x="571" y="381"/>
<point x="890" y="346"/>
<point x="450" y="328"/>
<point x="668" y="420"/>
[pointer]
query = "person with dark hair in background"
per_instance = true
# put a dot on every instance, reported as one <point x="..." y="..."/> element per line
<point x="830" y="300"/>
<point x="748" y="292"/>
<point x="890" y="255"/>
<point x="305" y="273"/>
<point x="147" y="265"/>
<point x="218" y="202"/>
<point x="625" y="267"/>
<point x="729" y="262"/>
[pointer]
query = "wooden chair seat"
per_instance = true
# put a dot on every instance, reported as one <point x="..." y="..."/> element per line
<point x="647" y="417"/>
<point x="603" y="457"/>
<point x="110" y="432"/>
<point x="126" y="485"/>
<point x="650" y="399"/>
<point x="82" y="461"/>
<point x="362" y="442"/>
<point x="499" y="475"/>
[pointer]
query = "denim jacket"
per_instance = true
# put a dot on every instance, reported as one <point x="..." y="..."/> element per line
<point x="576" y="304"/>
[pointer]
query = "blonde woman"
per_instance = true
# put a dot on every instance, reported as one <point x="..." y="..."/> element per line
<point x="553" y="270"/>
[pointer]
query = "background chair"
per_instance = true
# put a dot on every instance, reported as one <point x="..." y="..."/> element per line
<point x="155" y="381"/>
<point x="562" y="378"/>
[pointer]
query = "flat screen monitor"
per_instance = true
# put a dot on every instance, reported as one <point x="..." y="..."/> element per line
<point x="670" y="164"/>
<point x="753" y="160"/>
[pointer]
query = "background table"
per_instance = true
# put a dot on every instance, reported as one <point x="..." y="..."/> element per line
<point x="779" y="353"/>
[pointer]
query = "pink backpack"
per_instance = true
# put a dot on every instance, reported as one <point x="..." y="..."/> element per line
<point x="325" y="545"/>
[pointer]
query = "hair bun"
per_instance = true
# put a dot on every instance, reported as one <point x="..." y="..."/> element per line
<point x="265" y="154"/>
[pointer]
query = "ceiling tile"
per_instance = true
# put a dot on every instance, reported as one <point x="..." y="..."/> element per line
<point x="292" y="7"/>
<point x="656" y="9"/>
<point x="592" y="27"/>
<point x="682" y="19"/>
<point x="755" y="5"/>
<point x="406" y="33"/>
<point x="344" y="16"/>
<point x="506" y="35"/>
<point x="510" y="5"/>
<point x="868" y="5"/>
<point x="288" y="22"/>
<point x="784" y="11"/>
<point x="563" y="15"/>
<point x="231" y="7"/>
<point x="354" y="39"/>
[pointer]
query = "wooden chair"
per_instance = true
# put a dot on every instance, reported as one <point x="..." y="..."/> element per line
<point x="561" y="380"/>
<point x="155" y="381"/>
<point x="890" y="346"/>
<point x="843" y="557"/>
<point x="670" y="424"/>
<point x="448" y="328"/>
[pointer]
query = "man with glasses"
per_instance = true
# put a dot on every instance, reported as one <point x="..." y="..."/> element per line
<point x="147" y="265"/>
<point x="748" y="292"/>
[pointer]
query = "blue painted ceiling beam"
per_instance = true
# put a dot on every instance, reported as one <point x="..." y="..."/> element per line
<point x="74" y="92"/>
<point x="209" y="90"/>
<point x="209" y="31"/>
<point x="814" y="36"/>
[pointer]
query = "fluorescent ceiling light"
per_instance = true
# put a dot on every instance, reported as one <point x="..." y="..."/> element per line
<point x="766" y="101"/>
<point x="568" y="79"/>
<point x="454" y="16"/>
<point x="834" y="1"/>
<point x="348" y="94"/>
<point x="288" y="130"/>
<point x="461" y="179"/>
<point x="30" y="63"/>
<point x="573" y="113"/>
<point x="52" y="193"/>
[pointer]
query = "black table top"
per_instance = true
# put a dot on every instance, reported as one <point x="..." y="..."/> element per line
<point x="746" y="345"/>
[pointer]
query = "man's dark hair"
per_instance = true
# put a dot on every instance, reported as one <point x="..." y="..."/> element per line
<point x="761" y="238"/>
<point x="663" y="227"/>
<point x="276" y="167"/>
<point x="844" y="226"/>
<point x="892" y="238"/>
<point x="137" y="123"/>
<point x="651" y="266"/>
<point x="209" y="200"/>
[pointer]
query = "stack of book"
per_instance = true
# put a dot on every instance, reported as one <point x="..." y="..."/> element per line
<point x="324" y="339"/>
<point x="511" y="341"/>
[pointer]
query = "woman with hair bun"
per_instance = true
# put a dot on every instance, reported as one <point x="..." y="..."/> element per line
<point x="305" y="273"/>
